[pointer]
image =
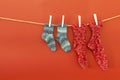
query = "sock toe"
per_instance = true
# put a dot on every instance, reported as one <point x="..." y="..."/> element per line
<point x="53" y="49"/>
<point x="67" y="49"/>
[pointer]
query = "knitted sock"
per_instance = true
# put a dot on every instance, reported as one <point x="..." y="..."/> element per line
<point x="47" y="36"/>
<point x="62" y="38"/>
<point x="96" y="46"/>
<point x="79" y="44"/>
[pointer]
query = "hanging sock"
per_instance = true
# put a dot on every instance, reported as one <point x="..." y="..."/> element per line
<point x="96" y="47"/>
<point x="62" y="38"/>
<point x="79" y="44"/>
<point x="47" y="36"/>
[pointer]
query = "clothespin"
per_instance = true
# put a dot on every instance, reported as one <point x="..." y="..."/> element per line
<point x="95" y="18"/>
<point x="50" y="20"/>
<point x="63" y="20"/>
<point x="79" y="20"/>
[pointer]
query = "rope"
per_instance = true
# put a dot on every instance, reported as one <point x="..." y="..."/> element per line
<point x="38" y="23"/>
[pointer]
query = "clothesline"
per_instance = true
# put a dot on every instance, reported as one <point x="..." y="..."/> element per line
<point x="38" y="23"/>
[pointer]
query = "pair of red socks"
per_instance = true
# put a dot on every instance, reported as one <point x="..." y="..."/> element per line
<point x="94" y="44"/>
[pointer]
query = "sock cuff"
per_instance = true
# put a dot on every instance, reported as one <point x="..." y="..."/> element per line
<point x="48" y="29"/>
<point x="62" y="29"/>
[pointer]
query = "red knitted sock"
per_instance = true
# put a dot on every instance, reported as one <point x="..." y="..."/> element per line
<point x="96" y="47"/>
<point x="79" y="44"/>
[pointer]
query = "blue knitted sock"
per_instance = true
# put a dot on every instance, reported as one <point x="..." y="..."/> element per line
<point x="47" y="36"/>
<point x="62" y="38"/>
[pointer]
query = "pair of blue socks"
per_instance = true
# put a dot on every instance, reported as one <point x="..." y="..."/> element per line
<point x="48" y="37"/>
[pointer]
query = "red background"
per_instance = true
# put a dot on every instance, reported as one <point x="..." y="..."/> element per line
<point x="24" y="56"/>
